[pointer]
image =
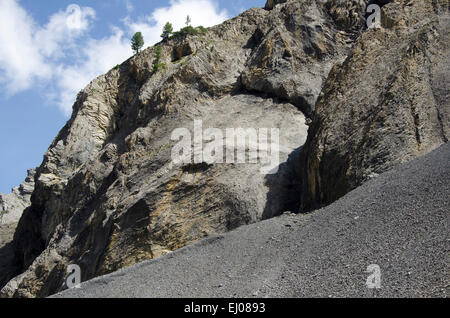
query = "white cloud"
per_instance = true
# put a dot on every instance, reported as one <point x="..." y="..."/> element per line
<point x="202" y="12"/>
<point x="97" y="57"/>
<point x="62" y="58"/>
<point x="63" y="28"/>
<point x="20" y="59"/>
<point x="28" y="51"/>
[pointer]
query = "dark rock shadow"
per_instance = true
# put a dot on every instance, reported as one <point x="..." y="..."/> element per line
<point x="284" y="188"/>
<point x="8" y="267"/>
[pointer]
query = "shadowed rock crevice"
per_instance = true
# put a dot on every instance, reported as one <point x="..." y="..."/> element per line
<point x="381" y="107"/>
<point x="197" y="168"/>
<point x="284" y="188"/>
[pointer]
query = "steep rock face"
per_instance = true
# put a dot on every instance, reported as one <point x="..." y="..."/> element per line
<point x="386" y="104"/>
<point x="6" y="252"/>
<point x="108" y="194"/>
<point x="299" y="45"/>
<point x="270" y="4"/>
<point x="13" y="204"/>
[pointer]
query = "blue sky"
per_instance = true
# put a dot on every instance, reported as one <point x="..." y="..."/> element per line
<point x="49" y="50"/>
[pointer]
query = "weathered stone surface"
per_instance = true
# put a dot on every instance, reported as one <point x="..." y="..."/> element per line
<point x="270" y="4"/>
<point x="298" y="46"/>
<point x="13" y="204"/>
<point x="107" y="193"/>
<point x="386" y="104"/>
<point x="398" y="221"/>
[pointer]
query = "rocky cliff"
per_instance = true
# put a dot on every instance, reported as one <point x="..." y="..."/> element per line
<point x="394" y="221"/>
<point x="6" y="252"/>
<point x="386" y="104"/>
<point x="13" y="204"/>
<point x="108" y="194"/>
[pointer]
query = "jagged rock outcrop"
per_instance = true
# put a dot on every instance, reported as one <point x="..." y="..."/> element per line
<point x="386" y="104"/>
<point x="297" y="47"/>
<point x="270" y="4"/>
<point x="108" y="195"/>
<point x="13" y="204"/>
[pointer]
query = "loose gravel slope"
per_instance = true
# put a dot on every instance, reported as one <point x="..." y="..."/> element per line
<point x="399" y="221"/>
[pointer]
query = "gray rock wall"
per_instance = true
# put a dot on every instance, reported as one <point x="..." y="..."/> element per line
<point x="386" y="104"/>
<point x="13" y="204"/>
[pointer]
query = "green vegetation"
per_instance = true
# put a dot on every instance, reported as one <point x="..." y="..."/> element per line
<point x="167" y="31"/>
<point x="189" y="30"/>
<point x="157" y="65"/>
<point x="161" y="66"/>
<point x="167" y="34"/>
<point x="137" y="42"/>
<point x="201" y="29"/>
<point x="116" y="67"/>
